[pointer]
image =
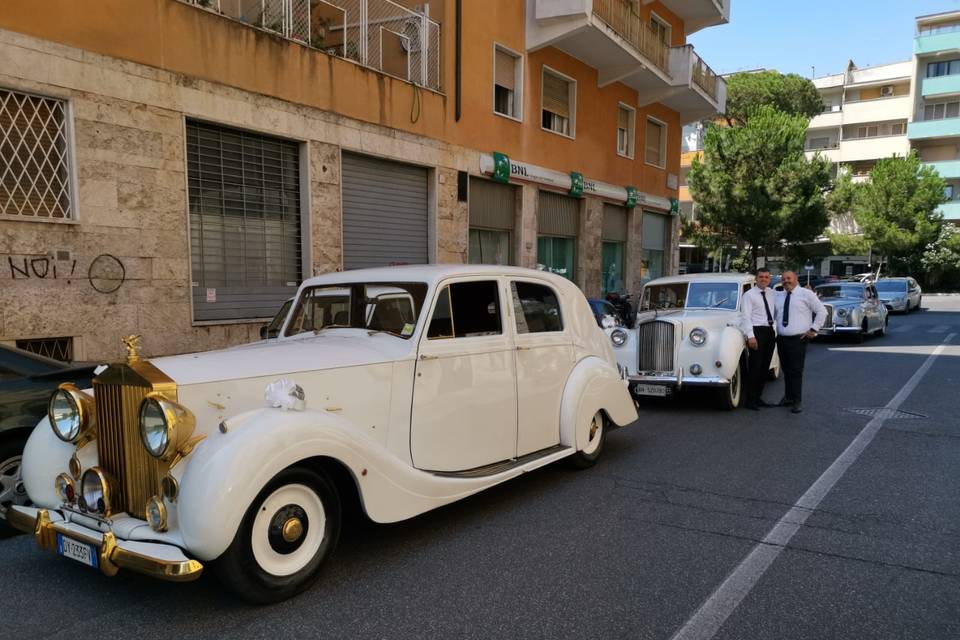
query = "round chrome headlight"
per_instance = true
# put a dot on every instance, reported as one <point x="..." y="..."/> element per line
<point x="618" y="337"/>
<point x="71" y="413"/>
<point x="64" y="487"/>
<point x="156" y="513"/>
<point x="698" y="336"/>
<point x="95" y="491"/>
<point x="165" y="426"/>
<point x="841" y="313"/>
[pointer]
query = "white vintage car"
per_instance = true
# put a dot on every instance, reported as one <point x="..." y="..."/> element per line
<point x="687" y="334"/>
<point x="402" y="388"/>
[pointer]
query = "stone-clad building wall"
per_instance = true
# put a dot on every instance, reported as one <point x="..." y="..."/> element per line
<point x="131" y="227"/>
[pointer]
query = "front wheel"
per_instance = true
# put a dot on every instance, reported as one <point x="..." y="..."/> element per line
<point x="731" y="394"/>
<point x="12" y="491"/>
<point x="596" y="435"/>
<point x="288" y="531"/>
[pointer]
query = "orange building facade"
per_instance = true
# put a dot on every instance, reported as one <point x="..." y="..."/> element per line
<point x="175" y="170"/>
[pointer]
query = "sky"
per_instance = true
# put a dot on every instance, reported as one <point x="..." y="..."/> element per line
<point x="797" y="36"/>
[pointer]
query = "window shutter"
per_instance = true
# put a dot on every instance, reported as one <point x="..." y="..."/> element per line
<point x="557" y="215"/>
<point x="505" y="70"/>
<point x="623" y="119"/>
<point x="614" y="227"/>
<point x="492" y="205"/>
<point x="556" y="95"/>
<point x="653" y="142"/>
<point x="654" y="231"/>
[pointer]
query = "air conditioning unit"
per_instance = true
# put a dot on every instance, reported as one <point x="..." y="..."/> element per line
<point x="886" y="91"/>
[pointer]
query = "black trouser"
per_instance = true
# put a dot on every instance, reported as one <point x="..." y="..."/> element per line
<point x="792" y="351"/>
<point x="758" y="362"/>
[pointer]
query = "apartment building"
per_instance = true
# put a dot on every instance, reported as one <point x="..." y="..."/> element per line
<point x="934" y="130"/>
<point x="175" y="170"/>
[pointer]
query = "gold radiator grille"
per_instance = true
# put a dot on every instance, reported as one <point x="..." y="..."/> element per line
<point x="136" y="474"/>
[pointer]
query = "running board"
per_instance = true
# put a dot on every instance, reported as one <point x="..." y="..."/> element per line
<point x="506" y="465"/>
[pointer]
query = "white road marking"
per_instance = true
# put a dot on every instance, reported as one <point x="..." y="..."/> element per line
<point x="707" y="620"/>
<point x="940" y="328"/>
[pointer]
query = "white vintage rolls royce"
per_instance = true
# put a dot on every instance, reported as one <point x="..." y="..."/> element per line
<point x="402" y="388"/>
<point x="687" y="334"/>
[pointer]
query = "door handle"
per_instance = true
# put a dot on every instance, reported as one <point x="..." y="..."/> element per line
<point x="521" y="348"/>
<point x="424" y="356"/>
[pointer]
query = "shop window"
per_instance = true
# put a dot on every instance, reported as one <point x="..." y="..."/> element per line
<point x="612" y="260"/>
<point x="35" y="167"/>
<point x="556" y="255"/>
<point x="489" y="246"/>
<point x="558" y="103"/>
<point x="507" y="83"/>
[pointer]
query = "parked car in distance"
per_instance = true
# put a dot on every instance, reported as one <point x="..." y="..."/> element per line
<point x="605" y="313"/>
<point x="245" y="457"/>
<point x="900" y="294"/>
<point x="26" y="382"/>
<point x="688" y="334"/>
<point x="853" y="308"/>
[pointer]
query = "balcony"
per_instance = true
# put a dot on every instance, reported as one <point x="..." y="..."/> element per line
<point x="830" y="153"/>
<point x="379" y="34"/>
<point x="947" y="168"/>
<point x="860" y="149"/>
<point x="877" y="110"/>
<point x="937" y="39"/>
<point x="698" y="14"/>
<point x="950" y="210"/>
<point x="927" y="129"/>
<point x="827" y="120"/>
<point x="941" y="85"/>
<point x="697" y="92"/>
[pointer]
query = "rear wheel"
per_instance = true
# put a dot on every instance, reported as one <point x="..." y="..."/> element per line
<point x="588" y="455"/>
<point x="859" y="335"/>
<point x="731" y="394"/>
<point x="12" y="491"/>
<point x="882" y="331"/>
<point x="288" y="531"/>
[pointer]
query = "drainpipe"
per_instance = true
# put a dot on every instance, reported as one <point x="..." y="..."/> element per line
<point x="458" y="61"/>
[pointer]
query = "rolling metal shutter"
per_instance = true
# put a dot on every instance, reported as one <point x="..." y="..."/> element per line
<point x="244" y="195"/>
<point x="558" y="215"/>
<point x="384" y="213"/>
<point x="654" y="231"/>
<point x="492" y="205"/>
<point x="614" y="227"/>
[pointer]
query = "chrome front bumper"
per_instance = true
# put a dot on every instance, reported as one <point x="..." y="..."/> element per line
<point x="678" y="381"/>
<point x="835" y="330"/>
<point x="157" y="560"/>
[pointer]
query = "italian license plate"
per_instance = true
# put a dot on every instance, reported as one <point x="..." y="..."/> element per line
<point x="651" y="390"/>
<point x="79" y="551"/>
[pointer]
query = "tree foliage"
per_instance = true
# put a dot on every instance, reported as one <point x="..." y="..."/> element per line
<point x="941" y="260"/>
<point x="755" y="183"/>
<point x="790" y="94"/>
<point x="897" y="209"/>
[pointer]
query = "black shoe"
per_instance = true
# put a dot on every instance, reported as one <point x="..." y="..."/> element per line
<point x="784" y="402"/>
<point x="763" y="403"/>
<point x="797" y="408"/>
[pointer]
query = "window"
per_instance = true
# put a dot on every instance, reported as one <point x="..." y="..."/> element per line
<point x="948" y="192"/>
<point x="56" y="348"/>
<point x="660" y="29"/>
<point x="818" y="143"/>
<point x="867" y="132"/>
<point x="613" y="236"/>
<point x="556" y="255"/>
<point x="626" y="129"/>
<point x="941" y="110"/>
<point x="35" y="167"/>
<point x="507" y="83"/>
<point x="655" y="143"/>
<point x="946" y="68"/>
<point x="558" y="224"/>
<point x="897" y="129"/>
<point x="492" y="218"/>
<point x="653" y="244"/>
<point x="392" y="307"/>
<point x="244" y="196"/>
<point x="489" y="246"/>
<point x="559" y="103"/>
<point x="466" y="310"/>
<point x="536" y="307"/>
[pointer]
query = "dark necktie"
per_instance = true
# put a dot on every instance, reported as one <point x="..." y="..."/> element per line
<point x="766" y="307"/>
<point x="786" y="310"/>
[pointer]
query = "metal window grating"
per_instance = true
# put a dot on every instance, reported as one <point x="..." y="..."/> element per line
<point x="245" y="221"/>
<point x="34" y="157"/>
<point x="56" y="348"/>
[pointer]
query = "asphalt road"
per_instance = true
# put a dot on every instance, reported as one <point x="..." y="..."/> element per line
<point x="633" y="547"/>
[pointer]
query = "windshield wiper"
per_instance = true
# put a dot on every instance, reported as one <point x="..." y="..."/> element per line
<point x="724" y="301"/>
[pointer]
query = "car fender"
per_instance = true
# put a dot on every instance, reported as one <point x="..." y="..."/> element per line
<point x="45" y="456"/>
<point x="729" y="350"/>
<point x="592" y="386"/>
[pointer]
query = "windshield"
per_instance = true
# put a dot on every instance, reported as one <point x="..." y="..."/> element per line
<point x="840" y="291"/>
<point x="389" y="307"/>
<point x="273" y="329"/>
<point x="692" y="295"/>
<point x="891" y="286"/>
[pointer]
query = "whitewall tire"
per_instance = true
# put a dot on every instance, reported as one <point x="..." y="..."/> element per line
<point x="593" y="446"/>
<point x="288" y="531"/>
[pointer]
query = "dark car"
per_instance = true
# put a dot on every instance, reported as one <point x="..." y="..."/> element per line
<point x="26" y="382"/>
<point x="604" y="311"/>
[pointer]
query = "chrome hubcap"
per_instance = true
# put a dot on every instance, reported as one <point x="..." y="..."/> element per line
<point x="12" y="490"/>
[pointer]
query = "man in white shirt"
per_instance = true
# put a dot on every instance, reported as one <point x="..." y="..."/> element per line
<point x="799" y="314"/>
<point x="756" y="322"/>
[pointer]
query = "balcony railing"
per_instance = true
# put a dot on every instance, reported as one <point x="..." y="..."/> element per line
<point x="379" y="34"/>
<point x="704" y="77"/>
<point x="622" y="17"/>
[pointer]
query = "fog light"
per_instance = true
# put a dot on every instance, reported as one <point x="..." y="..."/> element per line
<point x="718" y="364"/>
<point x="64" y="487"/>
<point x="618" y="337"/>
<point x="95" y="491"/>
<point x="696" y="369"/>
<point x="75" y="467"/>
<point x="156" y="514"/>
<point x="170" y="487"/>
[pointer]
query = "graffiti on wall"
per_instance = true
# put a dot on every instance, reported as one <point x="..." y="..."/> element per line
<point x="106" y="273"/>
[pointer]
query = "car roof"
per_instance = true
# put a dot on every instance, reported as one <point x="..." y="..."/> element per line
<point x="729" y="276"/>
<point x="431" y="273"/>
<point x="896" y="279"/>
